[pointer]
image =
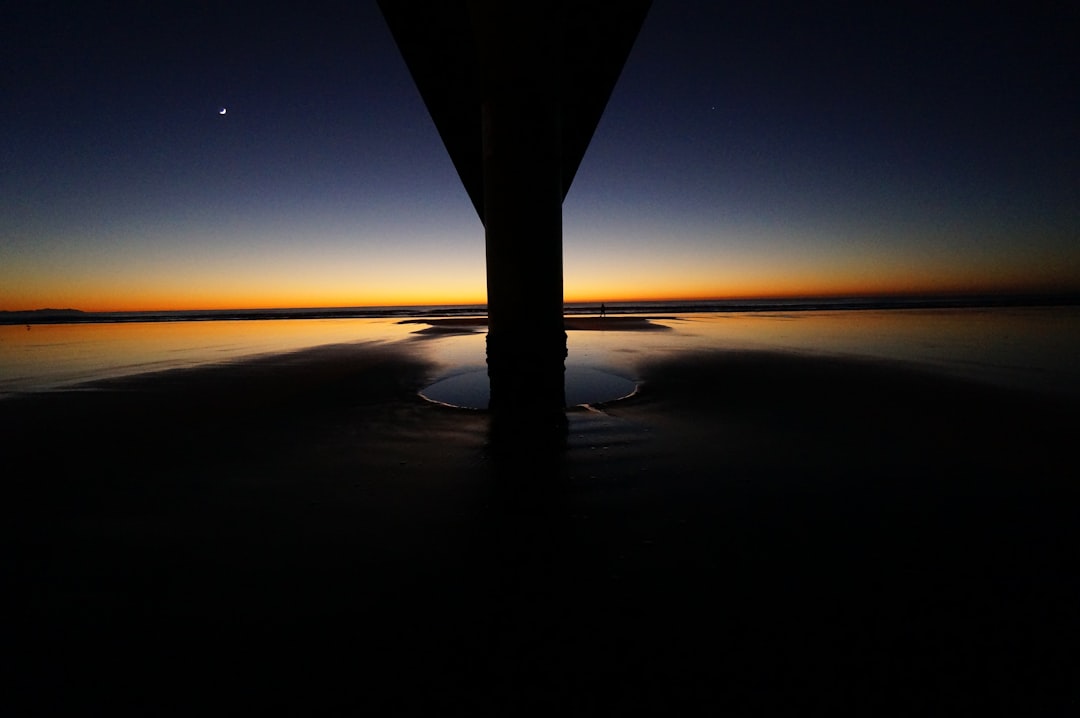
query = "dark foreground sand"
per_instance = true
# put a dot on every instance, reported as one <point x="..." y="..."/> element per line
<point x="752" y="533"/>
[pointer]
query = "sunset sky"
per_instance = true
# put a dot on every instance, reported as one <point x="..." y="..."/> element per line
<point x="749" y="150"/>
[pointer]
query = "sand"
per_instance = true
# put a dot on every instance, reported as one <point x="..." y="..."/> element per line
<point x="586" y="322"/>
<point x="751" y="532"/>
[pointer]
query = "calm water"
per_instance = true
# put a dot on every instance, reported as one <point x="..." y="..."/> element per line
<point x="1035" y="347"/>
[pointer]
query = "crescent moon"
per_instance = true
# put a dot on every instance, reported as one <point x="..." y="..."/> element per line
<point x="222" y="111"/>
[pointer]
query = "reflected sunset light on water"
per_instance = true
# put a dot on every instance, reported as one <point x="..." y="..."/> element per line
<point x="54" y="355"/>
<point x="1034" y="347"/>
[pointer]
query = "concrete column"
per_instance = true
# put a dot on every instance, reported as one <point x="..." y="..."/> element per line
<point x="522" y="166"/>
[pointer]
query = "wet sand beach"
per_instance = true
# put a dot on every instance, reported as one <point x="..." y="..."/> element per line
<point x="753" y="532"/>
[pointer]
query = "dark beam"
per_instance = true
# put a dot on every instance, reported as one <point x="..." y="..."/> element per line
<point x="439" y="41"/>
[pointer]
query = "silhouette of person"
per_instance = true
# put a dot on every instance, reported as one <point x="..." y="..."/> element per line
<point x="603" y="310"/>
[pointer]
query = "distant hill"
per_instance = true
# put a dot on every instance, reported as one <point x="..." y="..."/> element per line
<point x="40" y="316"/>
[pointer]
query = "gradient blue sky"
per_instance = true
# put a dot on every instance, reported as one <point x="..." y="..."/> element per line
<point x="749" y="149"/>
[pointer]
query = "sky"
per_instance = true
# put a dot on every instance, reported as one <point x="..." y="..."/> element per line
<point x="748" y="150"/>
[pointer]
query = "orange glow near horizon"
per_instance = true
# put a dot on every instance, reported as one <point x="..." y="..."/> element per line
<point x="791" y="287"/>
<point x="613" y="292"/>
<point x="228" y="301"/>
<point x="290" y="280"/>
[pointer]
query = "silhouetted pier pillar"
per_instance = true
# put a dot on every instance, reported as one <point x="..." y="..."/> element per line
<point x="516" y="89"/>
<point x="522" y="212"/>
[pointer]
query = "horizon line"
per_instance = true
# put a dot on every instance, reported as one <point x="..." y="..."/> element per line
<point x="957" y="296"/>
